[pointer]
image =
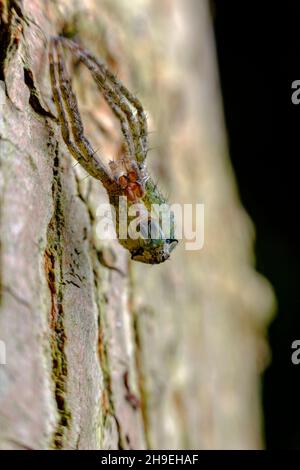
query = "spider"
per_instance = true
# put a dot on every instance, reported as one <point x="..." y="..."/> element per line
<point x="127" y="176"/>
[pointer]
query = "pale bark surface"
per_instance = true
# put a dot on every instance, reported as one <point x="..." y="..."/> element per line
<point x="126" y="356"/>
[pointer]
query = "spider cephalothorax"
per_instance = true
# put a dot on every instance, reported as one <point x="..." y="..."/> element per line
<point x="127" y="176"/>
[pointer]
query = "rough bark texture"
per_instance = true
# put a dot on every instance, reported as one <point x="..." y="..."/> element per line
<point x="102" y="352"/>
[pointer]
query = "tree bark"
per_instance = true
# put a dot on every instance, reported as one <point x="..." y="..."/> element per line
<point x="102" y="352"/>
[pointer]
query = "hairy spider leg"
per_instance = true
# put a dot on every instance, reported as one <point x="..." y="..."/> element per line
<point x="61" y="112"/>
<point x="115" y="92"/>
<point x="125" y="113"/>
<point x="134" y="101"/>
<point x="63" y="95"/>
<point x="129" y="145"/>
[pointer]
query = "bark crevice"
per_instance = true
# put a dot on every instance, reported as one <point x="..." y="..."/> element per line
<point x="55" y="279"/>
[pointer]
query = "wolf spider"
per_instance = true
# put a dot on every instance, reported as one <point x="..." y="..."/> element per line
<point x="127" y="176"/>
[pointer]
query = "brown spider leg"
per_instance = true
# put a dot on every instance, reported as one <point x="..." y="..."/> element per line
<point x="125" y="112"/>
<point x="118" y="113"/>
<point x="124" y="127"/>
<point x="61" y="113"/>
<point x="71" y="105"/>
<point x="63" y="95"/>
<point x="141" y="134"/>
<point x="113" y="93"/>
<point x="133" y="100"/>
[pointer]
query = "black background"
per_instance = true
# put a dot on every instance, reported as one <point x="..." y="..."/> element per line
<point x="258" y="47"/>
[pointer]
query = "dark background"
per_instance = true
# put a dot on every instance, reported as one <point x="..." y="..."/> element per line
<point x="258" y="47"/>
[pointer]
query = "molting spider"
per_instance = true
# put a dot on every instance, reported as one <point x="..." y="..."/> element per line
<point x="126" y="177"/>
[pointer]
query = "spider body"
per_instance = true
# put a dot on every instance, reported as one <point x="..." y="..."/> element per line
<point x="127" y="176"/>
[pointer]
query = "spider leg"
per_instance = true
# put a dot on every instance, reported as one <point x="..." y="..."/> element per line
<point x="116" y="93"/>
<point x="118" y="103"/>
<point x="135" y="102"/>
<point x="124" y="126"/>
<point x="121" y="96"/>
<point x="61" y="112"/>
<point x="64" y="98"/>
